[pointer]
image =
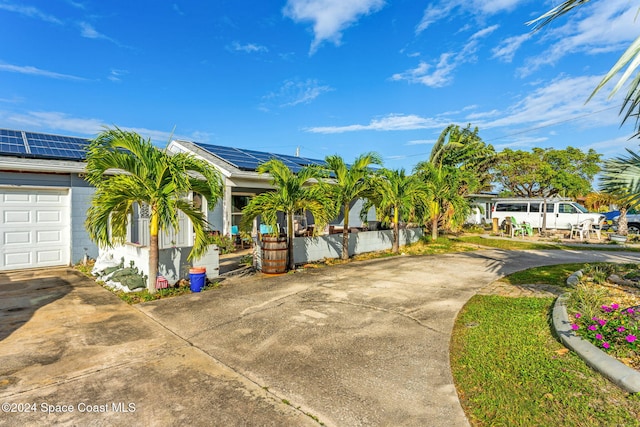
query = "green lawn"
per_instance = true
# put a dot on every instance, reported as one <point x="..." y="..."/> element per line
<point x="509" y="370"/>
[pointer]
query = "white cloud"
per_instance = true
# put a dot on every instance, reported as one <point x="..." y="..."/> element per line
<point x="563" y="99"/>
<point x="330" y="17"/>
<point x="52" y="120"/>
<point x="506" y="50"/>
<point x="31" y="12"/>
<point x="421" y="142"/>
<point x="177" y="9"/>
<point x="248" y="48"/>
<point x="603" y="26"/>
<point x="294" y="92"/>
<point x="392" y="122"/>
<point x="437" y="11"/>
<point x="115" y="75"/>
<point x="89" y="32"/>
<point x="37" y="72"/>
<point x="442" y="73"/>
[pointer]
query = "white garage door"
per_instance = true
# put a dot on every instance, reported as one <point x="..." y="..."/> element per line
<point x="34" y="228"/>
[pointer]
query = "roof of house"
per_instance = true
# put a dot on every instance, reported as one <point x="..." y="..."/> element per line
<point x="248" y="160"/>
<point x="18" y="143"/>
<point x="31" y="145"/>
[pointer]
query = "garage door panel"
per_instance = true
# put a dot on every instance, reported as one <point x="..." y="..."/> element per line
<point x="35" y="228"/>
<point x="51" y="236"/>
<point x="45" y="217"/>
<point x="16" y="198"/>
<point x="49" y="256"/>
<point x="17" y="217"/>
<point x="17" y="238"/>
<point x="18" y="260"/>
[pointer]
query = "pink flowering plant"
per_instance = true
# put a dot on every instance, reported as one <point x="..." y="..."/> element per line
<point x="614" y="330"/>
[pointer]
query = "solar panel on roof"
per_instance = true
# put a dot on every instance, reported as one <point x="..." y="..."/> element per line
<point x="56" y="146"/>
<point x="250" y="159"/>
<point x="11" y="142"/>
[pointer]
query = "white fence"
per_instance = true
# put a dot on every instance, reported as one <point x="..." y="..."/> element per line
<point x="309" y="249"/>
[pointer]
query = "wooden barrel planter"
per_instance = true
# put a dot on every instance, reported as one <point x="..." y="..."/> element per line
<point x="274" y="254"/>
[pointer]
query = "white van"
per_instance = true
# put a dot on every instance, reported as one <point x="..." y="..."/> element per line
<point x="561" y="214"/>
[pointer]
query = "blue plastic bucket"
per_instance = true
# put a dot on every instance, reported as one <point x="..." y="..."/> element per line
<point x="197" y="277"/>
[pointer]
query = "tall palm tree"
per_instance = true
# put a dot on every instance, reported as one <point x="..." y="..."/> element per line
<point x="445" y="201"/>
<point x="463" y="148"/>
<point x="621" y="178"/>
<point x="145" y="174"/>
<point x="397" y="197"/>
<point x="350" y="182"/>
<point x="294" y="193"/>
<point x="630" y="59"/>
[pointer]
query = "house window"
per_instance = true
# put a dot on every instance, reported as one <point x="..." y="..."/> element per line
<point x="238" y="202"/>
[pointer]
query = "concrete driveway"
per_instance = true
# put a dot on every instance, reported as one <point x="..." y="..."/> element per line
<point x="358" y="344"/>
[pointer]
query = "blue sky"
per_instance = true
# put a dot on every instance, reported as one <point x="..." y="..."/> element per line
<point x="327" y="76"/>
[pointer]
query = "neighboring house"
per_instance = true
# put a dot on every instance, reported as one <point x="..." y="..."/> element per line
<point x="481" y="207"/>
<point x="43" y="200"/>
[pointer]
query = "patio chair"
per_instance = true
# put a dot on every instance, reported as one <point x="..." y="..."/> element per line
<point x="582" y="229"/>
<point x="597" y="229"/>
<point x="524" y="228"/>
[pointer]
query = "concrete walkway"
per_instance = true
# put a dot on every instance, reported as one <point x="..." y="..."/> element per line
<point x="357" y="344"/>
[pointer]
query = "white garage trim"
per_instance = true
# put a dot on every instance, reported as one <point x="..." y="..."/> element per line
<point x="35" y="227"/>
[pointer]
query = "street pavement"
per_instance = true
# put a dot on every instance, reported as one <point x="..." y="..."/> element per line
<point x="359" y="344"/>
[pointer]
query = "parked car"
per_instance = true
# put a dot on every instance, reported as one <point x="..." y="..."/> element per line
<point x="561" y="214"/>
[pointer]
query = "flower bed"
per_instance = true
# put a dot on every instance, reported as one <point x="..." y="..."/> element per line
<point x="605" y="310"/>
<point x="615" y="330"/>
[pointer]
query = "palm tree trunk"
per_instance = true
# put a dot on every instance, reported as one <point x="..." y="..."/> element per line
<point x="434" y="228"/>
<point x="290" y="263"/>
<point x="395" y="247"/>
<point x="623" y="228"/>
<point x="154" y="251"/>
<point x="345" y="233"/>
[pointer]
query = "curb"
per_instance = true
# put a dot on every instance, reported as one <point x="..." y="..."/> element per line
<point x="619" y="373"/>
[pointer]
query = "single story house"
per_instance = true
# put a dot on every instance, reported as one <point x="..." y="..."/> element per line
<point x="44" y="197"/>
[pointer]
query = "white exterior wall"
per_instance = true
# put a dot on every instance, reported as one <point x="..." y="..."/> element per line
<point x="172" y="263"/>
<point x="81" y="244"/>
<point x="309" y="249"/>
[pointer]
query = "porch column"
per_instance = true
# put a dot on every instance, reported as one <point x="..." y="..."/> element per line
<point x="226" y="210"/>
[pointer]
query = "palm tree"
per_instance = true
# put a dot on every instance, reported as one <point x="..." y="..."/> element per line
<point x="621" y="178"/>
<point x="293" y="193"/>
<point x="397" y="197"/>
<point x="595" y="200"/>
<point x="350" y="182"/>
<point x="630" y="59"/>
<point x="445" y="201"/>
<point x="145" y="174"/>
<point x="465" y="150"/>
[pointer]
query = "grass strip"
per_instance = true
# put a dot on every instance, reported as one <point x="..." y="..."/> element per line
<point x="509" y="370"/>
<point x="509" y="244"/>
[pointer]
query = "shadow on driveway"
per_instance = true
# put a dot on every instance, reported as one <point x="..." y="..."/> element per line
<point x="21" y="296"/>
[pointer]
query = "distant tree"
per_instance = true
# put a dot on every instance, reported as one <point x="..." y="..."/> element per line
<point x="621" y="178"/>
<point x="350" y="183"/>
<point x="146" y="175"/>
<point x="293" y="193"/>
<point x="397" y="197"/>
<point x="630" y="59"/>
<point x="546" y="172"/>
